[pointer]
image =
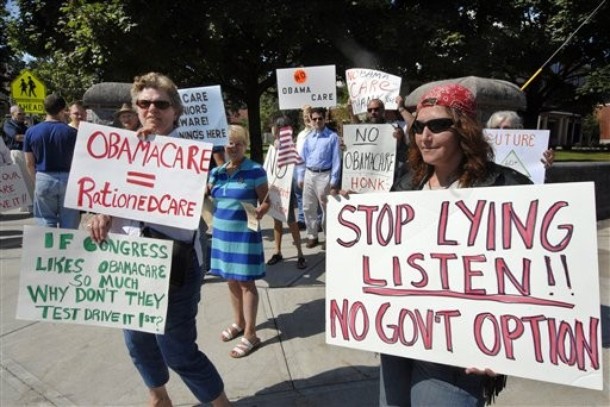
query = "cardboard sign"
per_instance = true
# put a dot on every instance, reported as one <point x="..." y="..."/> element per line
<point x="120" y="283"/>
<point x="364" y="85"/>
<point x="369" y="157"/>
<point x="504" y="278"/>
<point x="13" y="190"/>
<point x="204" y="116"/>
<point x="160" y="180"/>
<point x="280" y="185"/>
<point x="521" y="150"/>
<point x="315" y="86"/>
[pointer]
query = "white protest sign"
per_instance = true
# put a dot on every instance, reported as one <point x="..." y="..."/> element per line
<point x="521" y="150"/>
<point x="315" y="86"/>
<point x="280" y="185"/>
<point x="204" y="116"/>
<point x="364" y="85"/>
<point x="160" y="180"/>
<point x="120" y="283"/>
<point x="504" y="278"/>
<point x="253" y="223"/>
<point x="14" y="192"/>
<point x="369" y="157"/>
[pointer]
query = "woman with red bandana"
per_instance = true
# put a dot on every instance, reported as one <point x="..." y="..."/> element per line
<point x="447" y="149"/>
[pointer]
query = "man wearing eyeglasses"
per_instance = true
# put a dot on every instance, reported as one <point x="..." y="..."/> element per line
<point x="321" y="173"/>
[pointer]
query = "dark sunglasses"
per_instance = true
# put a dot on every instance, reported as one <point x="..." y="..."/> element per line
<point x="315" y="119"/>
<point x="159" y="104"/>
<point x="373" y="109"/>
<point x="435" y="125"/>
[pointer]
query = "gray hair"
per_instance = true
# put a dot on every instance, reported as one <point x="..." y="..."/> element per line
<point x="509" y="118"/>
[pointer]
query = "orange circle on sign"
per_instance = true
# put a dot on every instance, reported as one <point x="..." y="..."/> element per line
<point x="300" y="76"/>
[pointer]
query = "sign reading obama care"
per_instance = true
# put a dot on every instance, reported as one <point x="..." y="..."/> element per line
<point x="315" y="86"/>
<point x="504" y="278"/>
<point x="159" y="180"/>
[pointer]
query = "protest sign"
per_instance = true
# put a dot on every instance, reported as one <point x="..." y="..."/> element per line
<point x="364" y="85"/>
<point x="253" y="223"/>
<point x="159" y="180"/>
<point x="315" y="86"/>
<point x="280" y="185"/>
<point x="520" y="149"/>
<point x="204" y="116"/>
<point x="369" y="157"/>
<point x="13" y="188"/>
<point x="504" y="278"/>
<point x="121" y="282"/>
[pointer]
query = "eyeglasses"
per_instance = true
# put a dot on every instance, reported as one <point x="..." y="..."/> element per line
<point x="373" y="109"/>
<point x="315" y="119"/>
<point x="435" y="125"/>
<point x="159" y="104"/>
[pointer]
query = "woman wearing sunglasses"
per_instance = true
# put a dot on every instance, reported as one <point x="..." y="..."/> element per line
<point x="159" y="107"/>
<point x="447" y="149"/>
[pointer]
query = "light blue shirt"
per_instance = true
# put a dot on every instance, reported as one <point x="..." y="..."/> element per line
<point x="320" y="151"/>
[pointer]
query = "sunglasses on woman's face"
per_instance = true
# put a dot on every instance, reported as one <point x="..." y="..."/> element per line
<point x="434" y="125"/>
<point x="159" y="104"/>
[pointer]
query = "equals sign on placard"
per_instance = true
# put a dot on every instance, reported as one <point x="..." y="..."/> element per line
<point x="141" y="178"/>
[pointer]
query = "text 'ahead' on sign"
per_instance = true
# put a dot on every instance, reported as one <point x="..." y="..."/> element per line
<point x="28" y="92"/>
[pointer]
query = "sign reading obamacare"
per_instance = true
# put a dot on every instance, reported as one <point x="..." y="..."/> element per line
<point x="315" y="86"/>
<point x="159" y="180"/>
<point x="504" y="278"/>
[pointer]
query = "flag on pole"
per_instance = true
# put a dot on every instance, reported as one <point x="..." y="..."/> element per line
<point x="287" y="151"/>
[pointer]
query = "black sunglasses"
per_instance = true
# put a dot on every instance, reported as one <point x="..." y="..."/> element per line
<point x="159" y="104"/>
<point x="373" y="109"/>
<point x="315" y="119"/>
<point x="435" y="125"/>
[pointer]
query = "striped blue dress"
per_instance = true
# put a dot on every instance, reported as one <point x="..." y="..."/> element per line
<point x="237" y="252"/>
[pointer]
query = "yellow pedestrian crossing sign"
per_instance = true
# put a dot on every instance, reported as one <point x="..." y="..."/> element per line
<point x="28" y="92"/>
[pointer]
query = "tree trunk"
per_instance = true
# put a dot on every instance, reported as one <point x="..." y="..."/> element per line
<point x="254" y="124"/>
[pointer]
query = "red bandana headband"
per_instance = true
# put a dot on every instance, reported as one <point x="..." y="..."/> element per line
<point x="450" y="95"/>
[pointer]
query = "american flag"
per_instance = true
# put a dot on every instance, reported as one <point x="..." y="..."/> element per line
<point x="287" y="152"/>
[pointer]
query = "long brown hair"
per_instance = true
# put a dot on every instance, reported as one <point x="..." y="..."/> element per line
<point x="476" y="152"/>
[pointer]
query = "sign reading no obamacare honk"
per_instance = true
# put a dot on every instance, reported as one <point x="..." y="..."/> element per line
<point x="160" y="180"/>
<point x="504" y="278"/>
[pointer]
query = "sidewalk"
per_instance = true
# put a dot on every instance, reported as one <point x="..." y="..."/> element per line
<point x="45" y="364"/>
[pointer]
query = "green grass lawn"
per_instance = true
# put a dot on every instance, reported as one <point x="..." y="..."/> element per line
<point x="562" y="155"/>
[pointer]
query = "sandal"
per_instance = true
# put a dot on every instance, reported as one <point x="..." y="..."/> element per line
<point x="276" y="258"/>
<point x="231" y="332"/>
<point x="301" y="263"/>
<point x="245" y="347"/>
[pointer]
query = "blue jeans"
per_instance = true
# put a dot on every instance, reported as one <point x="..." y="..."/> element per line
<point x="49" y="194"/>
<point x="177" y="348"/>
<point x="410" y="382"/>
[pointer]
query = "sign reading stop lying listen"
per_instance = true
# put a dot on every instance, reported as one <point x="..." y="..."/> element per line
<point x="504" y="278"/>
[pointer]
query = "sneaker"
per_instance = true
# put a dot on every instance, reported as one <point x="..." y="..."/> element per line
<point x="301" y="263"/>
<point x="276" y="258"/>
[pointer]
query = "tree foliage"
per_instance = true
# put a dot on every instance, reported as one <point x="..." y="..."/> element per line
<point x="240" y="44"/>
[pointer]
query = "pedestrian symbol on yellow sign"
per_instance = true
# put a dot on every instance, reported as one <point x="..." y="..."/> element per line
<point x="28" y="92"/>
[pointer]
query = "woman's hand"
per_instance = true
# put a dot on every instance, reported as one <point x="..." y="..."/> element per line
<point x="548" y="158"/>
<point x="98" y="227"/>
<point x="262" y="210"/>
